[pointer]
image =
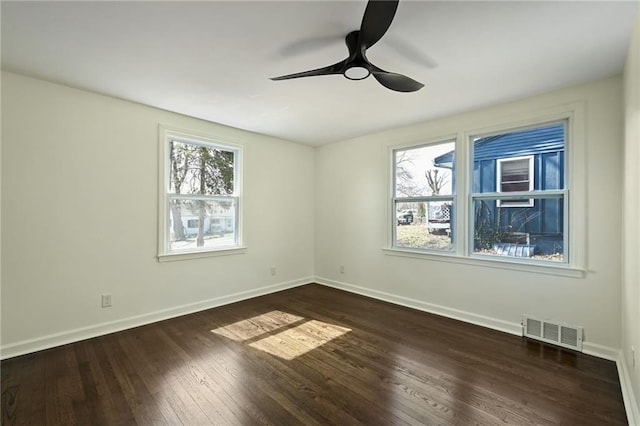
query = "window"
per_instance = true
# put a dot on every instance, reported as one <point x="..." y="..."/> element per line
<point x="516" y="202"/>
<point x="515" y="174"/>
<point x="529" y="222"/>
<point x="423" y="199"/>
<point x="200" y="196"/>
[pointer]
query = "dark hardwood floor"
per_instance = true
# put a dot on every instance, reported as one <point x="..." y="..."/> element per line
<point x="311" y="355"/>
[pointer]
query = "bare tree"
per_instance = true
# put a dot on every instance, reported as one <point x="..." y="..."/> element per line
<point x="434" y="181"/>
<point x="405" y="183"/>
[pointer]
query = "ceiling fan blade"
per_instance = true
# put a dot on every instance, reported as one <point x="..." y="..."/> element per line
<point x="331" y="69"/>
<point x="394" y="81"/>
<point x="377" y="19"/>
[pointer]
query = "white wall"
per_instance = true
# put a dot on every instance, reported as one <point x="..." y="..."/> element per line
<point x="80" y="212"/>
<point x="631" y="215"/>
<point x="352" y="213"/>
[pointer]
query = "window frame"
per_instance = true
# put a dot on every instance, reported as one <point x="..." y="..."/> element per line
<point x="575" y="219"/>
<point x="167" y="134"/>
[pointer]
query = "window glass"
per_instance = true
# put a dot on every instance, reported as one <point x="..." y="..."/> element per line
<point x="213" y="225"/>
<point x="424" y="170"/>
<point x="200" y="207"/>
<point x="424" y="197"/>
<point x="530" y="224"/>
<point x="200" y="169"/>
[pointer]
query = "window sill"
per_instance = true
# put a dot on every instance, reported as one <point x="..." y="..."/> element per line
<point x="201" y="254"/>
<point x="490" y="262"/>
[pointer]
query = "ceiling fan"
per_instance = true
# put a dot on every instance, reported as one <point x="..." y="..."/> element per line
<point x="377" y="19"/>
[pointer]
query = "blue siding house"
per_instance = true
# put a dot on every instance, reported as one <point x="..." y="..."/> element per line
<point x="525" y="160"/>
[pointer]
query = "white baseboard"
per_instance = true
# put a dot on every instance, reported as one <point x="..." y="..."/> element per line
<point x="628" y="396"/>
<point x="604" y="352"/>
<point x="63" y="338"/>
<point x="492" y="323"/>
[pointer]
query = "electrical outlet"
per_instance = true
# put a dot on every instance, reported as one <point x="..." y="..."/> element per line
<point x="342" y="269"/>
<point x="274" y="271"/>
<point x="106" y="300"/>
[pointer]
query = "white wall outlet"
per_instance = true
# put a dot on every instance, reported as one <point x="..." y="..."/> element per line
<point x="342" y="269"/>
<point x="106" y="300"/>
<point x="274" y="271"/>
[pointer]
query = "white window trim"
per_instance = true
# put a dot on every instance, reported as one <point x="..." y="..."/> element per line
<point x="499" y="163"/>
<point x="575" y="114"/>
<point x="165" y="133"/>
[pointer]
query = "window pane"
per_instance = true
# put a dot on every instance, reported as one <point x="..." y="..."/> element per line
<point x="196" y="224"/>
<point x="425" y="170"/>
<point x="424" y="225"/>
<point x="524" y="160"/>
<point x="527" y="233"/>
<point x="199" y="169"/>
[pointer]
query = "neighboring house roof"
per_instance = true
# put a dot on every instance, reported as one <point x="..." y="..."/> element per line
<point x="516" y="144"/>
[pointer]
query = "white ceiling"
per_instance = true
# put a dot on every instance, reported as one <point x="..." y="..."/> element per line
<point x="212" y="60"/>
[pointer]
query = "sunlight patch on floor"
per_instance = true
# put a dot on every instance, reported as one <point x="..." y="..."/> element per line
<point x="262" y="332"/>
<point x="299" y="340"/>
<point x="253" y="327"/>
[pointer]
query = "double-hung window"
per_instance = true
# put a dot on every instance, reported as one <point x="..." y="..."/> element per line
<point x="501" y="195"/>
<point x="423" y="196"/>
<point x="518" y="196"/>
<point x="200" y="194"/>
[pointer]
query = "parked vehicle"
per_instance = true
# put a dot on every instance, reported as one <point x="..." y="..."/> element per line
<point x="405" y="217"/>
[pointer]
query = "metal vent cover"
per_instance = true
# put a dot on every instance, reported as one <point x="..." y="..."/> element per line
<point x="550" y="331"/>
<point x="534" y="327"/>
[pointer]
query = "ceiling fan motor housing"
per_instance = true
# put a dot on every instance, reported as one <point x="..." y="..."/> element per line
<point x="356" y="72"/>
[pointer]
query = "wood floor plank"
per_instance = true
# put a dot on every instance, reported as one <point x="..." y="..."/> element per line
<point x="11" y="379"/>
<point x="311" y="355"/>
<point x="264" y="376"/>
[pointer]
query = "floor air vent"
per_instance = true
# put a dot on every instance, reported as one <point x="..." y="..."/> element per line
<point x="564" y="335"/>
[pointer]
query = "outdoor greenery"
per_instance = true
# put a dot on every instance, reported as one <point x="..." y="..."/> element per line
<point x="197" y="170"/>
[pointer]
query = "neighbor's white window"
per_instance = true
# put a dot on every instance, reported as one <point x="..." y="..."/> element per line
<point x="515" y="174"/>
<point x="200" y="196"/>
<point x="423" y="197"/>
